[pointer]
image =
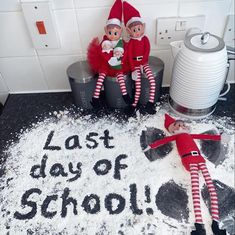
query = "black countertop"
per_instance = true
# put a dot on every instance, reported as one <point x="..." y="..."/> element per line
<point x="21" y="110"/>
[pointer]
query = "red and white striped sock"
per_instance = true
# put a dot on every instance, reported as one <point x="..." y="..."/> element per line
<point x="212" y="191"/>
<point x="137" y="87"/>
<point x="195" y="192"/>
<point x="99" y="85"/>
<point x="152" y="83"/>
<point x="122" y="84"/>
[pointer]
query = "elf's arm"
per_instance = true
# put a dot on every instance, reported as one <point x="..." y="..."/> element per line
<point x="106" y="56"/>
<point x="146" y="50"/>
<point x="124" y="57"/>
<point x="130" y="56"/>
<point x="206" y="137"/>
<point x="162" y="141"/>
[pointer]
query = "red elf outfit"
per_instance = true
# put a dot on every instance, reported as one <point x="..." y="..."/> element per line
<point x="193" y="162"/>
<point x="109" y="64"/>
<point x="138" y="54"/>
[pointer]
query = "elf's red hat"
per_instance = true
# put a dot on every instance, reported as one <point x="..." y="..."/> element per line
<point x="115" y="15"/>
<point x="168" y="121"/>
<point x="130" y="14"/>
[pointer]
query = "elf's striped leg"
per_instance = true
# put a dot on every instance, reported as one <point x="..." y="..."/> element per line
<point x="152" y="83"/>
<point x="137" y="87"/>
<point x="196" y="193"/>
<point x="122" y="84"/>
<point x="212" y="191"/>
<point x="99" y="85"/>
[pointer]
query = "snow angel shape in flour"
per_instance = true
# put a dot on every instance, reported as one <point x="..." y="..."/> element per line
<point x="193" y="162"/>
<point x="107" y="58"/>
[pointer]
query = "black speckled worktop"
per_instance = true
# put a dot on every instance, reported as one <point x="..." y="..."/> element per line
<point x="21" y="110"/>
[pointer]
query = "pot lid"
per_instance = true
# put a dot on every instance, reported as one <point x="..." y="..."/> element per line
<point x="204" y="42"/>
<point x="80" y="72"/>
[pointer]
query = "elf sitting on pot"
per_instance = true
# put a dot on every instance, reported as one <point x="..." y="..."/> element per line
<point x="138" y="55"/>
<point x="107" y="58"/>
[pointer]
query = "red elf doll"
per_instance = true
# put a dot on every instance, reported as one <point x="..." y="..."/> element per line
<point x="193" y="162"/>
<point x="109" y="58"/>
<point x="138" y="55"/>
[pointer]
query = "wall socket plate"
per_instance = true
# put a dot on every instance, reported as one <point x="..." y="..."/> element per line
<point x="41" y="24"/>
<point x="171" y="29"/>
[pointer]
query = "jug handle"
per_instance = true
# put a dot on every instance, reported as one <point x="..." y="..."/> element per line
<point x="205" y="37"/>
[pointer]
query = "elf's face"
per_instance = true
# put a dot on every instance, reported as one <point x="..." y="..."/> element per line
<point x="178" y="127"/>
<point x="137" y="30"/>
<point x="113" y="33"/>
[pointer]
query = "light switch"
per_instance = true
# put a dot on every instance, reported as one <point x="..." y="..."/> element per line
<point x="180" y="25"/>
<point x="41" y="24"/>
<point x="41" y="27"/>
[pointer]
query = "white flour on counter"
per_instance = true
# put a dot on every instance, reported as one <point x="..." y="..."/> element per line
<point x="70" y="175"/>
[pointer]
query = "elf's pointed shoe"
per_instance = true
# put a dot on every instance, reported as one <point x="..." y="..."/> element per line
<point x="149" y="108"/>
<point x="96" y="103"/>
<point x="199" y="229"/>
<point x="216" y="230"/>
<point x="127" y="99"/>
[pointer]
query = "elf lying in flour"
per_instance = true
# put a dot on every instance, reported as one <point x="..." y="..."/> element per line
<point x="193" y="162"/>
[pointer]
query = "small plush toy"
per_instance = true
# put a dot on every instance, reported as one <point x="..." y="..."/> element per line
<point x="138" y="55"/>
<point x="107" y="57"/>
<point x="193" y="162"/>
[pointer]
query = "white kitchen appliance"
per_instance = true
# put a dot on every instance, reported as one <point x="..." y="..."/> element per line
<point x="198" y="75"/>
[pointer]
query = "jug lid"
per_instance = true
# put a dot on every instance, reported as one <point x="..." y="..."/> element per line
<point x="204" y="42"/>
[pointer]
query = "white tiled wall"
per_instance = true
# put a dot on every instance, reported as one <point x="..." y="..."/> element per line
<point x="54" y="68"/>
<point x="22" y="73"/>
<point x="24" y="69"/>
<point x="3" y="90"/>
<point x="15" y="40"/>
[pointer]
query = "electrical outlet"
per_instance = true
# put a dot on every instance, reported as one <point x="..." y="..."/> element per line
<point x="166" y="31"/>
<point x="174" y="28"/>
